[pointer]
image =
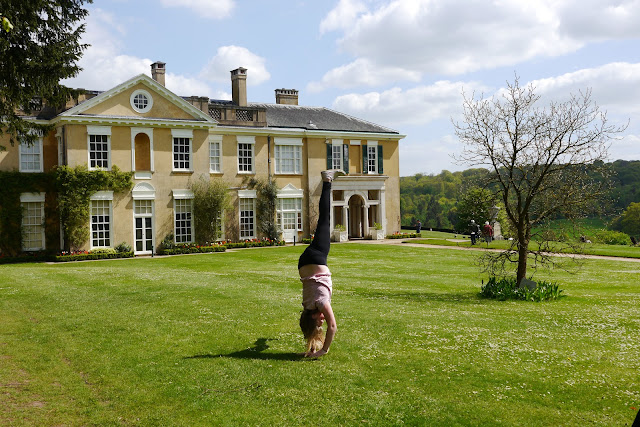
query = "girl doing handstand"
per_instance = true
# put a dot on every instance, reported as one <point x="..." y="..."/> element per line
<point x="316" y="278"/>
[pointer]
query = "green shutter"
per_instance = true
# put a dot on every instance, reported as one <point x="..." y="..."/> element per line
<point x="329" y="157"/>
<point x="345" y="158"/>
<point x="365" y="169"/>
<point x="380" y="171"/>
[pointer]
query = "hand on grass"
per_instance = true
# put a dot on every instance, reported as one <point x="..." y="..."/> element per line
<point x="317" y="354"/>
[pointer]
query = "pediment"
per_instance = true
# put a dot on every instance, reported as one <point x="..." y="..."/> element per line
<point x="290" y="191"/>
<point x="118" y="103"/>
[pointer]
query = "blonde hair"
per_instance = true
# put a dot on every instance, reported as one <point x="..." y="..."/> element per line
<point x="312" y="333"/>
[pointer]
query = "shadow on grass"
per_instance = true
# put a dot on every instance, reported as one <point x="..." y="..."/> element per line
<point x="255" y="352"/>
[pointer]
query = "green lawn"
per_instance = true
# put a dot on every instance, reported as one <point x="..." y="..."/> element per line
<point x="212" y="340"/>
<point x="624" y="251"/>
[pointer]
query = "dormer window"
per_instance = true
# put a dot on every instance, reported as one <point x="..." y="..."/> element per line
<point x="141" y="101"/>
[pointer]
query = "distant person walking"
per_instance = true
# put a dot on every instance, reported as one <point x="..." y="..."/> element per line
<point x="418" y="227"/>
<point x="474" y="230"/>
<point x="487" y="232"/>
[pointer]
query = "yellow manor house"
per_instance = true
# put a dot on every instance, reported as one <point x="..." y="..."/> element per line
<point x="167" y="140"/>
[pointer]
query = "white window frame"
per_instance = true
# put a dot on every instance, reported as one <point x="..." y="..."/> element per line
<point x="249" y="141"/>
<point x="146" y="94"/>
<point x="372" y="146"/>
<point x="25" y="200"/>
<point x="30" y="150"/>
<point x="62" y="155"/>
<point x="180" y="197"/>
<point x="215" y="162"/>
<point x="297" y="210"/>
<point x="336" y="147"/>
<point x="182" y="134"/>
<point x="102" y="196"/>
<point x="246" y="197"/>
<point x="99" y="131"/>
<point x="296" y="159"/>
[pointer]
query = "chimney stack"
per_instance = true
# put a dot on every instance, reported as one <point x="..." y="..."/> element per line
<point x="239" y="86"/>
<point x="157" y="72"/>
<point x="287" y="96"/>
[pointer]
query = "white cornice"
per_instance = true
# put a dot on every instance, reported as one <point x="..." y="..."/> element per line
<point x="132" y="121"/>
<point x="297" y="132"/>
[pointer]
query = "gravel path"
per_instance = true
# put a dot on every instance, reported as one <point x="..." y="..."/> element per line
<point x="460" y="248"/>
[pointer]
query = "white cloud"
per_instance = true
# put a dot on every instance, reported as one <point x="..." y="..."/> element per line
<point x="457" y="36"/>
<point x="614" y="86"/>
<point x="627" y="148"/>
<point x="600" y="20"/>
<point x="104" y="66"/>
<point x="342" y="16"/>
<point x="362" y="71"/>
<point x="186" y="86"/>
<point x="231" y="57"/>
<point x="215" y="9"/>
<point x="421" y="155"/>
<point x="417" y="106"/>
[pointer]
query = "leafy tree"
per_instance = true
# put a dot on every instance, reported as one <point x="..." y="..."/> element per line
<point x="475" y="204"/>
<point x="543" y="162"/>
<point x="38" y="50"/>
<point x="210" y="199"/>
<point x="629" y="221"/>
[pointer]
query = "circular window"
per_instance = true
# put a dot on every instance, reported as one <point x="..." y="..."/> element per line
<point x="141" y="101"/>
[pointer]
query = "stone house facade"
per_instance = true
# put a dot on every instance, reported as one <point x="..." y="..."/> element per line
<point x="167" y="140"/>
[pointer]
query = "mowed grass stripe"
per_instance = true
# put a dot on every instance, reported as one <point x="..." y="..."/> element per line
<point x="212" y="339"/>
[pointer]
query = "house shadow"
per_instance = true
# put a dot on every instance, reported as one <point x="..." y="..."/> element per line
<point x="256" y="352"/>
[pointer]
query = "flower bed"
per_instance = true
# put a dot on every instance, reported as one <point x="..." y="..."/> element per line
<point x="191" y="248"/>
<point x="403" y="235"/>
<point x="254" y="243"/>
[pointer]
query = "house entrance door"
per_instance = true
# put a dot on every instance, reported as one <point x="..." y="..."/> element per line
<point x="143" y="222"/>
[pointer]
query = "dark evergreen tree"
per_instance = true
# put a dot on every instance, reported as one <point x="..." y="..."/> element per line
<point x="40" y="50"/>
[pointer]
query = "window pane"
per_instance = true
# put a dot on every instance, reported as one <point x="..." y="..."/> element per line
<point x="288" y="158"/>
<point x="372" y="159"/>
<point x="336" y="156"/>
<point x="100" y="223"/>
<point x="246" y="218"/>
<point x="245" y="157"/>
<point x="214" y="157"/>
<point x="32" y="226"/>
<point x="183" y="221"/>
<point x="99" y="151"/>
<point x="290" y="213"/>
<point x="30" y="156"/>
<point x="181" y="153"/>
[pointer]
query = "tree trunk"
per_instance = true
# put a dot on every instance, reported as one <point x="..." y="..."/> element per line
<point x="523" y="253"/>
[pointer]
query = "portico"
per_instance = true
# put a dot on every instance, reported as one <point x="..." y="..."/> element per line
<point x="358" y="202"/>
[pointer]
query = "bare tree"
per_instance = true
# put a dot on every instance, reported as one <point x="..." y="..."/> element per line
<point x="544" y="162"/>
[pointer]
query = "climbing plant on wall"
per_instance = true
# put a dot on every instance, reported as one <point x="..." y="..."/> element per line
<point x="12" y="185"/>
<point x="266" y="200"/>
<point x="210" y="200"/>
<point x="75" y="187"/>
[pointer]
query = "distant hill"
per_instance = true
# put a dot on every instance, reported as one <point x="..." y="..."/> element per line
<point x="432" y="198"/>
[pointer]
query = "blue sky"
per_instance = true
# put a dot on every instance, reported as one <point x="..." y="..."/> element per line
<point x="402" y="64"/>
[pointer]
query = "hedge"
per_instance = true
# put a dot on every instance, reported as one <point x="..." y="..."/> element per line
<point x="90" y="256"/>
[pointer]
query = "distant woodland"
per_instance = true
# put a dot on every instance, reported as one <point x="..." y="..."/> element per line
<point x="434" y="199"/>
